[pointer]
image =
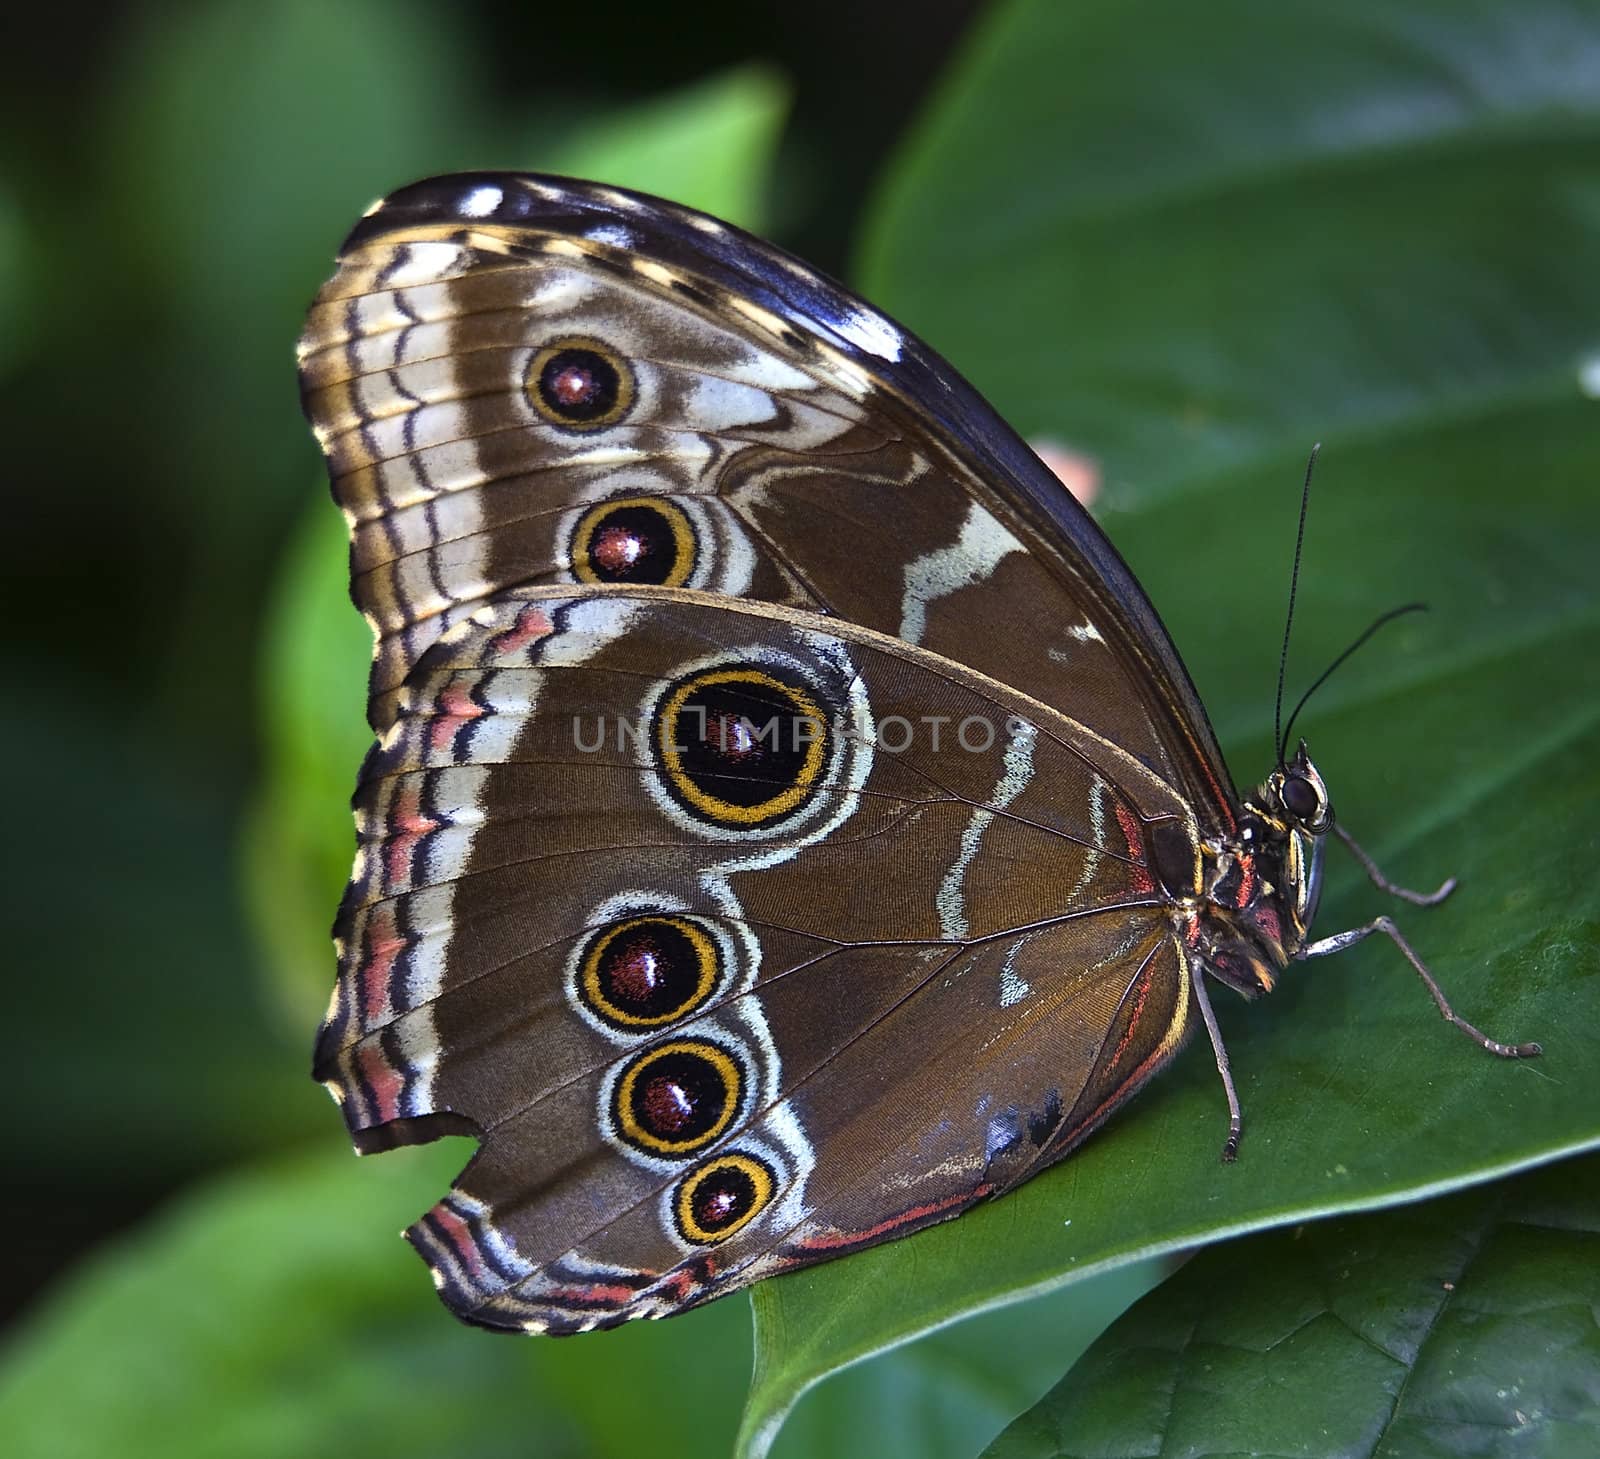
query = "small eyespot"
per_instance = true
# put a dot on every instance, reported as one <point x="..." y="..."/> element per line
<point x="677" y="1097"/>
<point x="580" y="385"/>
<point x="1300" y="799"/>
<point x="634" y="539"/>
<point x="741" y="746"/>
<point x="721" y="1197"/>
<point x="645" y="972"/>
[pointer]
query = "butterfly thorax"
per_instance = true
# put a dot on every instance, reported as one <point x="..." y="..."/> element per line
<point x="1261" y="885"/>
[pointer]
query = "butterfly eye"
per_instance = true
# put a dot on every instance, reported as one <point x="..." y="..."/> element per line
<point x="721" y="1197"/>
<point x="1301" y="799"/>
<point x="648" y="971"/>
<point x="580" y="385"/>
<point x="677" y="1098"/>
<point x="741" y="746"/>
<point x="633" y="540"/>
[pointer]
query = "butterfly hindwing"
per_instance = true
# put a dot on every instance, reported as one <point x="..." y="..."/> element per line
<point x="598" y="923"/>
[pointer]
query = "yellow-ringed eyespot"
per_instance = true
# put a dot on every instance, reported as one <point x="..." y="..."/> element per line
<point x="633" y="539"/>
<point x="741" y="745"/>
<point x="648" y="971"/>
<point x="723" y="1196"/>
<point x="579" y="384"/>
<point x="677" y="1097"/>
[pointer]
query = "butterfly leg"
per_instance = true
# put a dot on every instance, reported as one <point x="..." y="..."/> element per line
<point x="1341" y="940"/>
<point x="1383" y="884"/>
<point x="1230" y="1147"/>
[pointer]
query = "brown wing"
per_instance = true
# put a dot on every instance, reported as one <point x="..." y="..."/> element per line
<point x="719" y="1003"/>
<point x="522" y="380"/>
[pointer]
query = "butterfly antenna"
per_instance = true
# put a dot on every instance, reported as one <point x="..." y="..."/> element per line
<point x="1288" y="621"/>
<point x="1323" y="677"/>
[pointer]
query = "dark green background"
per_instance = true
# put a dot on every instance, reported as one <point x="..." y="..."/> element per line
<point x="1186" y="240"/>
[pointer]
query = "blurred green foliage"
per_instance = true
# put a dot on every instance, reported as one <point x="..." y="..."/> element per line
<point x="1188" y="241"/>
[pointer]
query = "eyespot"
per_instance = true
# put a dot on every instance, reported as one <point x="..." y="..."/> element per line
<point x="741" y="745"/>
<point x="677" y="1097"/>
<point x="634" y="539"/>
<point x="645" y="972"/>
<point x="580" y="385"/>
<point x="1300" y="799"/>
<point x="723" y="1196"/>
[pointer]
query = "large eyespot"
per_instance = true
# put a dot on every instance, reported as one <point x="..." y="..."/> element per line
<point x="648" y="971"/>
<point x="741" y="745"/>
<point x="580" y="385"/>
<point x="678" y="1097"/>
<point x="633" y="539"/>
<point x="723" y="1196"/>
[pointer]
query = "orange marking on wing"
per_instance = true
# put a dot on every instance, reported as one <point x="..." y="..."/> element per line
<point x="930" y="1208"/>
<point x="611" y="1294"/>
<point x="1133" y="833"/>
<point x="1151" y="1061"/>
<point x="532" y="624"/>
<point x="1142" y="986"/>
<point x="408" y="825"/>
<point x="457" y="711"/>
<point x="459" y="1235"/>
<point x="383" y="1079"/>
<point x="679" y="1284"/>
<point x="385" y="942"/>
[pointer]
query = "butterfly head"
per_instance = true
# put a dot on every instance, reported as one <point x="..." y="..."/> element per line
<point x="1296" y="793"/>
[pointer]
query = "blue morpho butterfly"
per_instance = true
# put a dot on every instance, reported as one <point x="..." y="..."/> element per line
<point x="789" y="822"/>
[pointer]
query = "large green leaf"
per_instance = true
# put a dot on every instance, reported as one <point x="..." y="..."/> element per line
<point x="946" y="1394"/>
<point x="1190" y="241"/>
<point x="1463" y="1326"/>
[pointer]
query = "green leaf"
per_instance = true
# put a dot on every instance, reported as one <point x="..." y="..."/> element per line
<point x="947" y="1394"/>
<point x="1463" y="1326"/>
<point x="1190" y="241"/>
<point x="1191" y="237"/>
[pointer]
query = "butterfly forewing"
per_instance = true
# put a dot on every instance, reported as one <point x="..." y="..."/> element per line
<point x="791" y="443"/>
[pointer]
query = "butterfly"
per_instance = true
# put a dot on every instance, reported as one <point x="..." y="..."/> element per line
<point x="788" y="823"/>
